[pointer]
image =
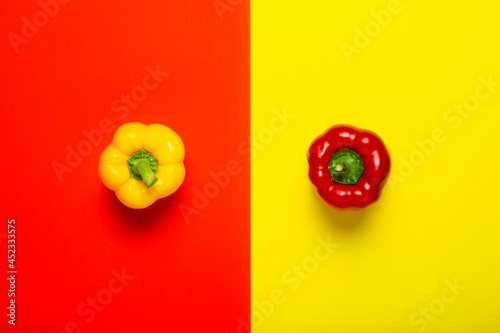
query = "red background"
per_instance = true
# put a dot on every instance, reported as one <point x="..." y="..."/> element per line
<point x="72" y="234"/>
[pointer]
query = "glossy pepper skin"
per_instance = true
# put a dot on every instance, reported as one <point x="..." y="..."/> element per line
<point x="330" y="148"/>
<point x="143" y="163"/>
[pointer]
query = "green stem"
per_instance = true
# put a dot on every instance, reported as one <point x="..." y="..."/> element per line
<point x="346" y="167"/>
<point x="143" y="166"/>
<point x="339" y="167"/>
<point x="147" y="175"/>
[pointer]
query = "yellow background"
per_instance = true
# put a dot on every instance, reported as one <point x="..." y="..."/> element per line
<point x="439" y="223"/>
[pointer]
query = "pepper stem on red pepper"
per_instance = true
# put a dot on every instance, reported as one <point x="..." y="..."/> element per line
<point x="346" y="167"/>
<point x="143" y="166"/>
<point x="339" y="167"/>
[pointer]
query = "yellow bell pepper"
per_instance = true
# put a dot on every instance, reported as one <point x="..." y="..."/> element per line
<point x="143" y="163"/>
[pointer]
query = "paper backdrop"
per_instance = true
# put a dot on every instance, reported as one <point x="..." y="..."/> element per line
<point x="245" y="245"/>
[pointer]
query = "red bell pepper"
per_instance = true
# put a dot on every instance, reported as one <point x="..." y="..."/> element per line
<point x="348" y="167"/>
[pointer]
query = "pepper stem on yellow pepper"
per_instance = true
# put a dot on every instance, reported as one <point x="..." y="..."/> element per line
<point x="147" y="175"/>
<point x="143" y="166"/>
